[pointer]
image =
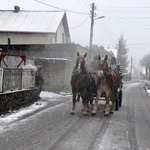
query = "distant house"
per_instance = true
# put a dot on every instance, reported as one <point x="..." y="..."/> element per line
<point x="42" y="36"/>
<point x="18" y="27"/>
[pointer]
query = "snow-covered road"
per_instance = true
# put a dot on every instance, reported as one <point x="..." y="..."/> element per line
<point x="46" y="97"/>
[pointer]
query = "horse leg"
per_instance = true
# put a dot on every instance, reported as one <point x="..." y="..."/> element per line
<point x="73" y="103"/>
<point x="96" y="102"/>
<point x="113" y="103"/>
<point x="107" y="106"/>
<point x="85" y="103"/>
<point x="82" y="97"/>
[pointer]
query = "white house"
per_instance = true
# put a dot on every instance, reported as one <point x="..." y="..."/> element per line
<point x="33" y="27"/>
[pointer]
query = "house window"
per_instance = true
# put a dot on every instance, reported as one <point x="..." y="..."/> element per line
<point x="63" y="38"/>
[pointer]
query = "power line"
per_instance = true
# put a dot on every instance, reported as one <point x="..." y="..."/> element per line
<point x="139" y="44"/>
<point x="126" y="11"/>
<point x="80" y="24"/>
<point x="106" y="35"/>
<point x="124" y="7"/>
<point x="81" y="4"/>
<point x="107" y="29"/>
<point x="131" y="21"/>
<point x="130" y="17"/>
<point x="130" y="24"/>
<point x="90" y="1"/>
<point x="87" y="4"/>
<point x="61" y="8"/>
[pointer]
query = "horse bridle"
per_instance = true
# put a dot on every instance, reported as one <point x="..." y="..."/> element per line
<point x="103" y="68"/>
<point x="78" y="69"/>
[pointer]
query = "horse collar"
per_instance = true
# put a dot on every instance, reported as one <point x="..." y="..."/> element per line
<point x="105" y="73"/>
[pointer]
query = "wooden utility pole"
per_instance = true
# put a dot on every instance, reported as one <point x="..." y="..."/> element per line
<point x="92" y="25"/>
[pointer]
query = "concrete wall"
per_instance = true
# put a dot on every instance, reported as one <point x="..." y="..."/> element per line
<point x="16" y="99"/>
<point x="57" y="74"/>
<point x="57" y="60"/>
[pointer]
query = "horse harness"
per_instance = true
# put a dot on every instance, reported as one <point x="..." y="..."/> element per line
<point x="107" y="74"/>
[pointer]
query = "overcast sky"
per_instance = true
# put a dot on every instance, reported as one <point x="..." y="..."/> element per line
<point x="128" y="17"/>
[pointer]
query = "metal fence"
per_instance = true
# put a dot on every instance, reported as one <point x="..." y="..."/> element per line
<point x="12" y="79"/>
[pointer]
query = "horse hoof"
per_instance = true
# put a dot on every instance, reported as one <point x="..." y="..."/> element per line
<point x="106" y="115"/>
<point x="93" y="113"/>
<point x="111" y="112"/>
<point x="85" y="113"/>
<point x="72" y="112"/>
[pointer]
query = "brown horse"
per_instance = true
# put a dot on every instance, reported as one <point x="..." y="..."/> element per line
<point x="108" y="83"/>
<point x="80" y="83"/>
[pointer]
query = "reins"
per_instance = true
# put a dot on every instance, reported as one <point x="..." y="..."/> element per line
<point x="106" y="75"/>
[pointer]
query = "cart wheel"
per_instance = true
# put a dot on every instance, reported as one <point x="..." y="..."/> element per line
<point x="117" y="104"/>
<point x="120" y="98"/>
<point x="91" y="97"/>
<point x="116" y="100"/>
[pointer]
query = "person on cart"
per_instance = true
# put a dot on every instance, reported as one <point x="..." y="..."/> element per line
<point x="93" y="69"/>
<point x="116" y="66"/>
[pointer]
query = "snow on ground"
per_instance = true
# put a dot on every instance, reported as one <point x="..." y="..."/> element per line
<point x="49" y="96"/>
<point x="148" y="91"/>
<point x="133" y="84"/>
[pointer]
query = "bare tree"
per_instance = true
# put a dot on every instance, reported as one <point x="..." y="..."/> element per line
<point x="145" y="61"/>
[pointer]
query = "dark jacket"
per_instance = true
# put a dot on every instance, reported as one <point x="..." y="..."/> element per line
<point x="39" y="78"/>
<point x="93" y="66"/>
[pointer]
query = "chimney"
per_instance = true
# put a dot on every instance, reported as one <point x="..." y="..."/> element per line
<point x="16" y="9"/>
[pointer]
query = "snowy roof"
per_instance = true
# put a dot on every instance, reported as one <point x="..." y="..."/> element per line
<point x="30" y="21"/>
<point x="112" y="50"/>
<point x="55" y="59"/>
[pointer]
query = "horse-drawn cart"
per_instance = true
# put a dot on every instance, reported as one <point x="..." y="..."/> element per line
<point x="118" y="100"/>
<point x="106" y="81"/>
<point x="95" y="78"/>
<point x="92" y="95"/>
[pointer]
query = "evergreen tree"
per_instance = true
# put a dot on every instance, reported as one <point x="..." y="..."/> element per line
<point x="122" y="51"/>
